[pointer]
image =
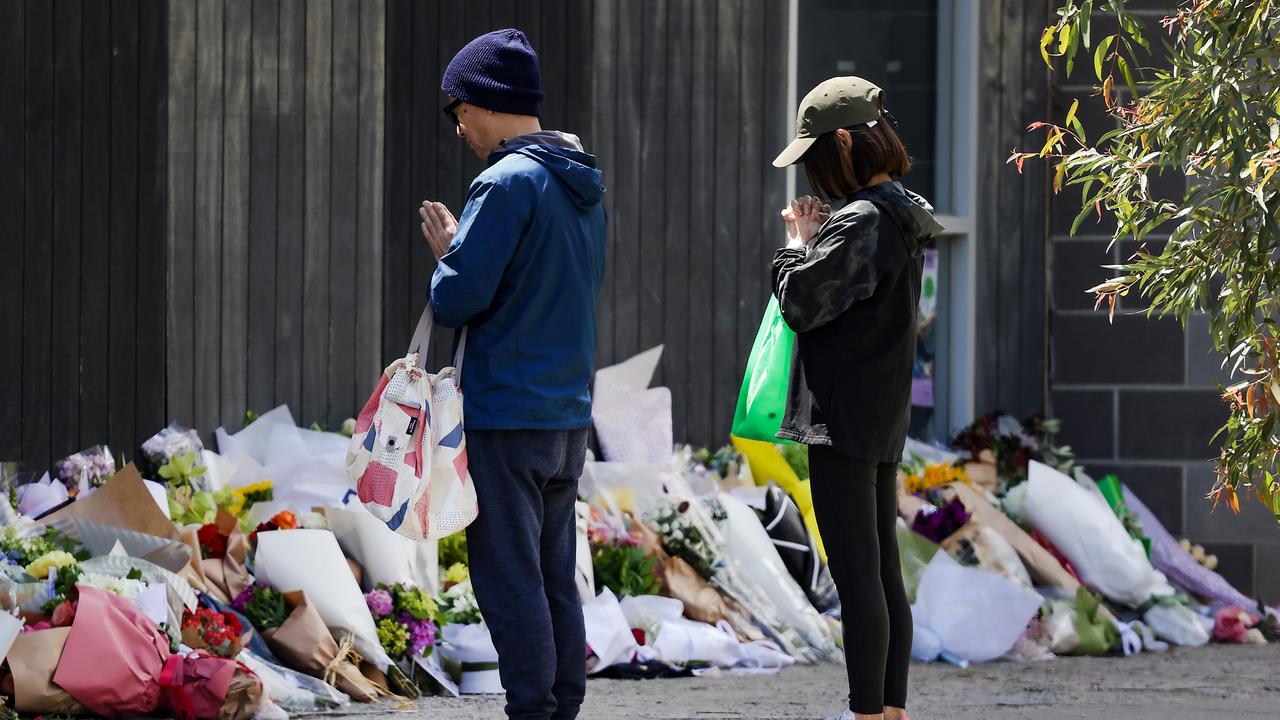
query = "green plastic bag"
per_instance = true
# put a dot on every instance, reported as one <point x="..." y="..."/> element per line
<point x="763" y="398"/>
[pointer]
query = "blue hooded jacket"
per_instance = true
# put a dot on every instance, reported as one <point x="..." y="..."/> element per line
<point x="522" y="274"/>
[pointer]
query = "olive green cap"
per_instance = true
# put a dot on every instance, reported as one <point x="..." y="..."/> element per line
<point x="841" y="102"/>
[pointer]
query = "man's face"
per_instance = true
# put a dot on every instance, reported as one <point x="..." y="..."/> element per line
<point x="476" y="127"/>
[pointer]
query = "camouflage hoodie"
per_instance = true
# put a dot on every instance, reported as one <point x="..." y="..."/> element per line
<point x="851" y="297"/>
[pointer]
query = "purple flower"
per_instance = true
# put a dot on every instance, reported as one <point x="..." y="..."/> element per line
<point x="380" y="603"/>
<point x="939" y="524"/>
<point x="422" y="634"/>
<point x="241" y="601"/>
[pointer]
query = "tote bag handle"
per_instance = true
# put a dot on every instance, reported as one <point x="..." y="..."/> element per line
<point x="421" y="340"/>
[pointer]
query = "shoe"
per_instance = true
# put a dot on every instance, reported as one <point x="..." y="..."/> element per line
<point x="846" y="715"/>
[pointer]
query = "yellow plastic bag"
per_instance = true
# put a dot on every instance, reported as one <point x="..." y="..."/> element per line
<point x="767" y="464"/>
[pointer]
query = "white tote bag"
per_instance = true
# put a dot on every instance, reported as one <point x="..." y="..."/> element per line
<point x="408" y="455"/>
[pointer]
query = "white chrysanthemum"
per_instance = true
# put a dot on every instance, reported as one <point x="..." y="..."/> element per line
<point x="128" y="589"/>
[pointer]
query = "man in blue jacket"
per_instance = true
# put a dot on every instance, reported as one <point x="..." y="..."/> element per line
<point x="521" y="271"/>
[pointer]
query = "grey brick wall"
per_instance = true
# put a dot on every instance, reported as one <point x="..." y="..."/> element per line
<point x="1138" y="397"/>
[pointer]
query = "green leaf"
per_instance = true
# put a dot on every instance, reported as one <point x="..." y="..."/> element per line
<point x="1071" y="52"/>
<point x="1100" y="54"/>
<point x="1128" y="76"/>
<point x="1086" y="13"/>
<point x="1084" y="213"/>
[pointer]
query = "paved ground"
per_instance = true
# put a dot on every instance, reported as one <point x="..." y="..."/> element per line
<point x="1218" y="681"/>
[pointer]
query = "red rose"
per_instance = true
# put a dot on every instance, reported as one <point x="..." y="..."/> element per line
<point x="212" y="543"/>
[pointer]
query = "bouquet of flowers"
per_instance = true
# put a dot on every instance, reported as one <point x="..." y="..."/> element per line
<point x="87" y="470"/>
<point x="116" y="662"/>
<point x="682" y="535"/>
<point x="406" y="619"/>
<point x="221" y="562"/>
<point x="30" y="554"/>
<point x="164" y="446"/>
<point x="263" y="605"/>
<point x="458" y="605"/>
<point x="726" y="462"/>
<point x="215" y="632"/>
<point x="1014" y="445"/>
<point x="619" y="559"/>
<point x="66" y="581"/>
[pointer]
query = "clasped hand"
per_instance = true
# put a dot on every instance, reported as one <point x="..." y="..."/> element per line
<point x="803" y="216"/>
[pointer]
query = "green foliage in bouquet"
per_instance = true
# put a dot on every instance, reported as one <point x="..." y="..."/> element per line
<point x="64" y="586"/>
<point x="1214" y="117"/>
<point x="266" y="608"/>
<point x="453" y="550"/>
<point x="625" y="569"/>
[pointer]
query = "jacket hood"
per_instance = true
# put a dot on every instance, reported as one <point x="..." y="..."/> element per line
<point x="561" y="154"/>
<point x="913" y="213"/>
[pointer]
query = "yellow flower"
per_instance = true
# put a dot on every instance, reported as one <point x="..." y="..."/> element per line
<point x="39" y="569"/>
<point x="249" y="494"/>
<point x="456" y="573"/>
<point x="934" y="475"/>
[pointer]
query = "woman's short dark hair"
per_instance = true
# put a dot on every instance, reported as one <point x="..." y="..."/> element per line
<point x="835" y="174"/>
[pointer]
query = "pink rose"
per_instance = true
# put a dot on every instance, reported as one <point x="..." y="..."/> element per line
<point x="34" y="627"/>
<point x="64" y="614"/>
<point x="1231" y="625"/>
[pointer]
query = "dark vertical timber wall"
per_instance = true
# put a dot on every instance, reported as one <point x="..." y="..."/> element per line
<point x="275" y="152"/>
<point x="684" y="103"/>
<point x="82" y="195"/>
<point x="1012" y="328"/>
<point x="213" y="203"/>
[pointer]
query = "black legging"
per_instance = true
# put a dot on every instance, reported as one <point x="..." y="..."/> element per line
<point x="856" y="504"/>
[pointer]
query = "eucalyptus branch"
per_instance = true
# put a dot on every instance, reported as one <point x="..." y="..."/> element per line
<point x="1213" y="117"/>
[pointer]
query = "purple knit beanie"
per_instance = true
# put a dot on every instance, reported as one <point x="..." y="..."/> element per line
<point x="497" y="71"/>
